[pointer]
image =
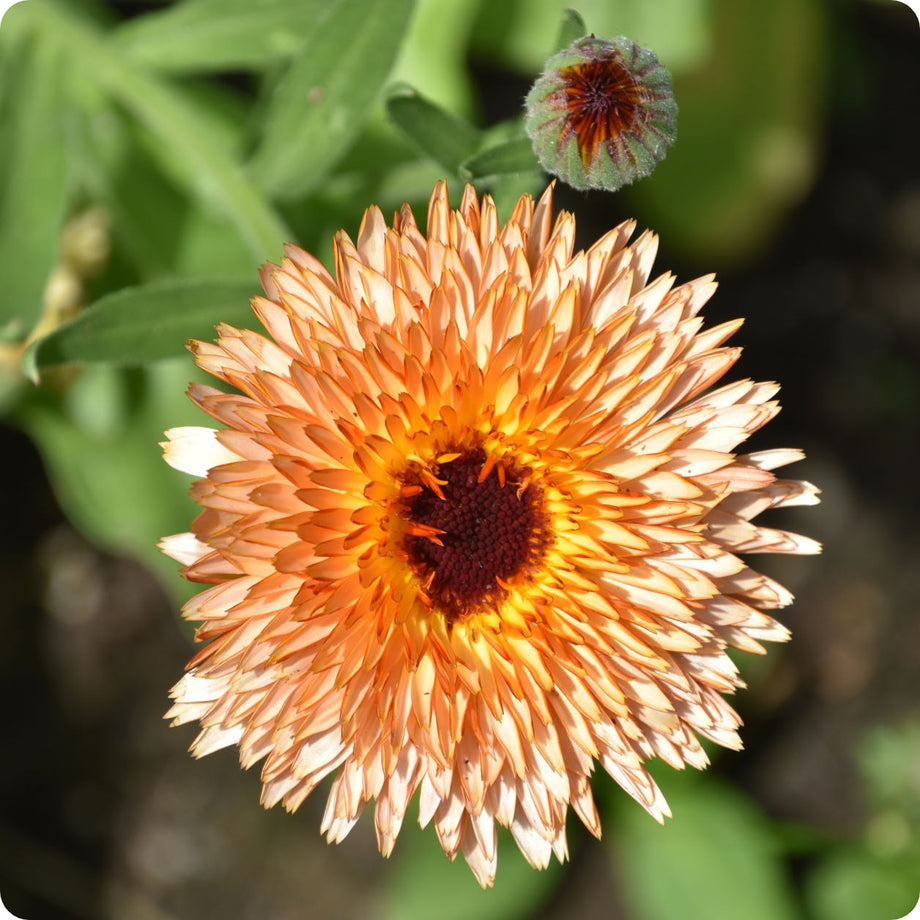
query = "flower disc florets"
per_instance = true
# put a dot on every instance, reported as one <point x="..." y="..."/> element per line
<point x="473" y="529"/>
<point x="602" y="114"/>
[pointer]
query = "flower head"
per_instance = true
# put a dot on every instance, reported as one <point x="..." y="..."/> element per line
<point x="472" y="524"/>
<point x="602" y="114"/>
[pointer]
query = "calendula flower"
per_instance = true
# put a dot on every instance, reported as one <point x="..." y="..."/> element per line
<point x="602" y="114"/>
<point x="472" y="525"/>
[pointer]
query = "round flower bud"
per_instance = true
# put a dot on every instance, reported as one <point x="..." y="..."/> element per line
<point x="602" y="114"/>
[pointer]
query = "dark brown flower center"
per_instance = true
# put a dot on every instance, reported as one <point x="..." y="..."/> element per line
<point x="472" y="530"/>
<point x="603" y="100"/>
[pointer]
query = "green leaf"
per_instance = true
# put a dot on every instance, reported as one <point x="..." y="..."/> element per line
<point x="571" y="29"/>
<point x="208" y="248"/>
<point x="197" y="152"/>
<point x="33" y="168"/>
<point x="425" y="884"/>
<point x="157" y="231"/>
<point x="435" y="54"/>
<point x="522" y="34"/>
<point x="716" y="859"/>
<point x="143" y="206"/>
<point x="201" y="36"/>
<point x="99" y="440"/>
<point x="506" y="158"/>
<point x="136" y="325"/>
<point x="321" y="103"/>
<point x="853" y="885"/>
<point x="443" y="136"/>
<point x="748" y="131"/>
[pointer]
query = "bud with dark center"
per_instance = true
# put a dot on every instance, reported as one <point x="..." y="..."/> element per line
<point x="602" y="114"/>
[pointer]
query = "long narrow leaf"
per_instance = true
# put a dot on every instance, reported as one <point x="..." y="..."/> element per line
<point x="141" y="324"/>
<point x="320" y="105"/>
<point x="514" y="156"/>
<point x="571" y="29"/>
<point x="212" y="35"/>
<point x="447" y="139"/>
<point x="199" y="157"/>
<point x="33" y="169"/>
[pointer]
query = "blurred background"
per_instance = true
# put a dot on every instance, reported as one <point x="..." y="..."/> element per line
<point x="169" y="146"/>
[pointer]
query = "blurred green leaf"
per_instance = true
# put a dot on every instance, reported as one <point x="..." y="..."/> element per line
<point x="716" y="859"/>
<point x="425" y="884"/>
<point x="447" y="139"/>
<point x="320" y="105"/>
<point x="851" y="886"/>
<point x="888" y="756"/>
<point x="156" y="230"/>
<point x="197" y="154"/>
<point x="136" y="325"/>
<point x="878" y="876"/>
<point x="33" y="167"/>
<point x="522" y="34"/>
<point x="208" y="248"/>
<point x="434" y="54"/>
<point x="572" y="28"/>
<point x="143" y="207"/>
<point x="512" y="156"/>
<point x="747" y="131"/>
<point x="99" y="439"/>
<point x="200" y="36"/>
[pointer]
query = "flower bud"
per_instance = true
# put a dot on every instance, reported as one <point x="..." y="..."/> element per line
<point x="602" y="114"/>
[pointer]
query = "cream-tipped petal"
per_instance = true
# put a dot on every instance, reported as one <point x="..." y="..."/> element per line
<point x="184" y="547"/>
<point x="194" y="449"/>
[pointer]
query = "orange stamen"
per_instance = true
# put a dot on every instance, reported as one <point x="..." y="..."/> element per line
<point x="487" y="468"/>
<point x="425" y="531"/>
<point x="434" y="483"/>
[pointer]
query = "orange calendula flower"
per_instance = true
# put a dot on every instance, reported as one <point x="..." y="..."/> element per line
<point x="472" y="525"/>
